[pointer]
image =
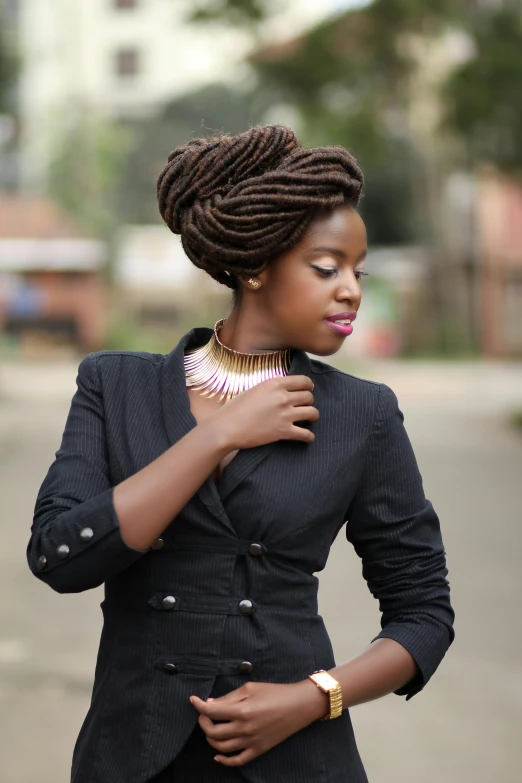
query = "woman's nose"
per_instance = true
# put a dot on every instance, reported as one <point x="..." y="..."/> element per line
<point x="350" y="293"/>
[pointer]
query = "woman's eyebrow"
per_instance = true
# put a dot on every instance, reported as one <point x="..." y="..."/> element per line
<point x="332" y="250"/>
<point x="337" y="252"/>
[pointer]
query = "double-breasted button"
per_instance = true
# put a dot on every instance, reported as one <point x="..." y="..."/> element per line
<point x="42" y="562"/>
<point x="170" y="667"/>
<point x="157" y="544"/>
<point x="245" y="667"/>
<point x="86" y="534"/>
<point x="255" y="549"/>
<point x="246" y="606"/>
<point x="63" y="551"/>
<point x="168" y="602"/>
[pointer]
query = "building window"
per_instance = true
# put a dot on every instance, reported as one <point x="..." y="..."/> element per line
<point x="124" y="4"/>
<point x="127" y="63"/>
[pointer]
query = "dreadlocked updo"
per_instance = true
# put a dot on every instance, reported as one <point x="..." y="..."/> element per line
<point x="240" y="201"/>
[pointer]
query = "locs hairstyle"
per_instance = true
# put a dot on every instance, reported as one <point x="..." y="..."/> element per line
<point x="240" y="201"/>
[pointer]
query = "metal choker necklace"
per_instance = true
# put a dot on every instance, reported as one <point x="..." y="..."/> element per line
<point x="214" y="368"/>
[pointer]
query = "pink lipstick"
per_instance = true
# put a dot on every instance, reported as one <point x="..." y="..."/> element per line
<point x="342" y="322"/>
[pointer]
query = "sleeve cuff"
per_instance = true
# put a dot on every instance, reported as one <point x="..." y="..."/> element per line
<point x="426" y="651"/>
<point x="83" y="547"/>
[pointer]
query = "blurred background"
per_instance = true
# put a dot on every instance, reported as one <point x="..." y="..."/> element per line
<point x="93" y="96"/>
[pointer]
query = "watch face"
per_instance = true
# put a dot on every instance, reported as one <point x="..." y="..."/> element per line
<point x="325" y="681"/>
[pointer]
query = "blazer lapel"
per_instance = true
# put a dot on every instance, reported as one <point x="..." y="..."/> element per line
<point x="248" y="460"/>
<point x="179" y="420"/>
<point x="178" y="416"/>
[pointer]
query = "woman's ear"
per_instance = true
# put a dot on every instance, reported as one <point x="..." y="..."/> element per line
<point x="256" y="281"/>
<point x="252" y="283"/>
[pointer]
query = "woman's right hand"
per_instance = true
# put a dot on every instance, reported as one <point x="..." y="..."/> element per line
<point x="267" y="413"/>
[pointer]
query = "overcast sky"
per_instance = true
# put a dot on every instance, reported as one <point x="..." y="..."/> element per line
<point x="297" y="15"/>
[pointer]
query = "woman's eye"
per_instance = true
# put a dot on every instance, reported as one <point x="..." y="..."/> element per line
<point x="323" y="271"/>
<point x="326" y="272"/>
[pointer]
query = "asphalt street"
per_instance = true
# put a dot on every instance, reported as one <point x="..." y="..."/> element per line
<point x="465" y="727"/>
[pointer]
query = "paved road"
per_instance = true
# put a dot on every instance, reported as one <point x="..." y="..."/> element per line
<point x="464" y="728"/>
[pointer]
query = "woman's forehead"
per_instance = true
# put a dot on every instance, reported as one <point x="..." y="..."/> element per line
<point x="343" y="225"/>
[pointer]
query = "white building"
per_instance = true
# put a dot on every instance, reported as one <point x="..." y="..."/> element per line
<point x="120" y="58"/>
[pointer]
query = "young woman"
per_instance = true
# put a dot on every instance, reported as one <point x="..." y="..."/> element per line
<point x="205" y="488"/>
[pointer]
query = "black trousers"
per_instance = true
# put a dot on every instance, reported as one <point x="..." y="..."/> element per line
<point x="195" y="764"/>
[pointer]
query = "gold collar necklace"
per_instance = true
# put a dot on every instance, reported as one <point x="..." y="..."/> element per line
<point x="214" y="368"/>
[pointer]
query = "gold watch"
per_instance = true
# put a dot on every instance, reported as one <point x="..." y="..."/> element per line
<point x="329" y="685"/>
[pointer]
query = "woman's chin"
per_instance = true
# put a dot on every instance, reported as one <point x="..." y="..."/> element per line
<point x="326" y="347"/>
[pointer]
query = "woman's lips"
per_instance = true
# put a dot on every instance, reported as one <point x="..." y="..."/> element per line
<point x="343" y="328"/>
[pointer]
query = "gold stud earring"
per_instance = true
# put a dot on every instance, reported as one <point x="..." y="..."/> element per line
<point x="253" y="282"/>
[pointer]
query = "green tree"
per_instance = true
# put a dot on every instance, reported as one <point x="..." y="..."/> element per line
<point x="483" y="96"/>
<point x="85" y="170"/>
<point x="8" y="64"/>
<point x="237" y="12"/>
<point x="348" y="80"/>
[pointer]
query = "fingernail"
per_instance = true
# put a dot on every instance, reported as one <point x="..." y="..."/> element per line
<point x="210" y="699"/>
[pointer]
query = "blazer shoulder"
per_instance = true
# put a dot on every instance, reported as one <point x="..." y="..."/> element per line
<point x="321" y="368"/>
<point x="111" y="356"/>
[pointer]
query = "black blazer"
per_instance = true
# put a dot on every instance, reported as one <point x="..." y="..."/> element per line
<point x="228" y="592"/>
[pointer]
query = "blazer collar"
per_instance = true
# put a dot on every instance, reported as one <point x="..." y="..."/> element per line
<point x="179" y="420"/>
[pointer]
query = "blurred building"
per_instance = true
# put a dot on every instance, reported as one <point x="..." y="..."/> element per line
<point x="499" y="282"/>
<point x="118" y="59"/>
<point x="52" y="289"/>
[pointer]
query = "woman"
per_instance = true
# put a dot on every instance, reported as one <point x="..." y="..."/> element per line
<point x="205" y="488"/>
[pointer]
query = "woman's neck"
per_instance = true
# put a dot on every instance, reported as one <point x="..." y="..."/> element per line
<point x="247" y="332"/>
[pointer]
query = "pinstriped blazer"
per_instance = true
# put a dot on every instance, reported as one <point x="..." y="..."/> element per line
<point x="229" y="592"/>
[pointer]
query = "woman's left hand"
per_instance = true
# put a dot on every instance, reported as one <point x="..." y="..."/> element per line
<point x="260" y="715"/>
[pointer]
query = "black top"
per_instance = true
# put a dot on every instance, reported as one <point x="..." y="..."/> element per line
<point x="228" y="592"/>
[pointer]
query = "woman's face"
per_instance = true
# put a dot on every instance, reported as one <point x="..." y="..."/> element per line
<point x="319" y="278"/>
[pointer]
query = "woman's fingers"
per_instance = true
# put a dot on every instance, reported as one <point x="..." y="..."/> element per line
<point x="229" y="745"/>
<point x="218" y="709"/>
<point x="305" y="413"/>
<point x="220" y="731"/>
<point x="294" y="382"/>
<point x="302" y="397"/>
<point x="238" y="760"/>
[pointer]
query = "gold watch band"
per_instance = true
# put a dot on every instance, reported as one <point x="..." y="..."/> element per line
<point x="332" y="687"/>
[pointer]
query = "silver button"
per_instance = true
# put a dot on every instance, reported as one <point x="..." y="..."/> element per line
<point x="246" y="606"/>
<point x="255" y="549"/>
<point x="86" y="534"/>
<point x="168" y="602"/>
<point x="42" y="562"/>
<point x="63" y="551"/>
<point x="157" y="544"/>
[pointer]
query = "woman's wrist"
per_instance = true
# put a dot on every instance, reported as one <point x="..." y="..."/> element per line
<point x="217" y="435"/>
<point x="314" y="702"/>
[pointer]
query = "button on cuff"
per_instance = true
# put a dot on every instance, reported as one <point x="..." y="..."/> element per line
<point x="86" y="534"/>
<point x="63" y="551"/>
<point x="42" y="562"/>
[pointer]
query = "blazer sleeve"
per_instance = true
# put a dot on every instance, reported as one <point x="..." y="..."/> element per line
<point x="396" y="533"/>
<point x="76" y="542"/>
